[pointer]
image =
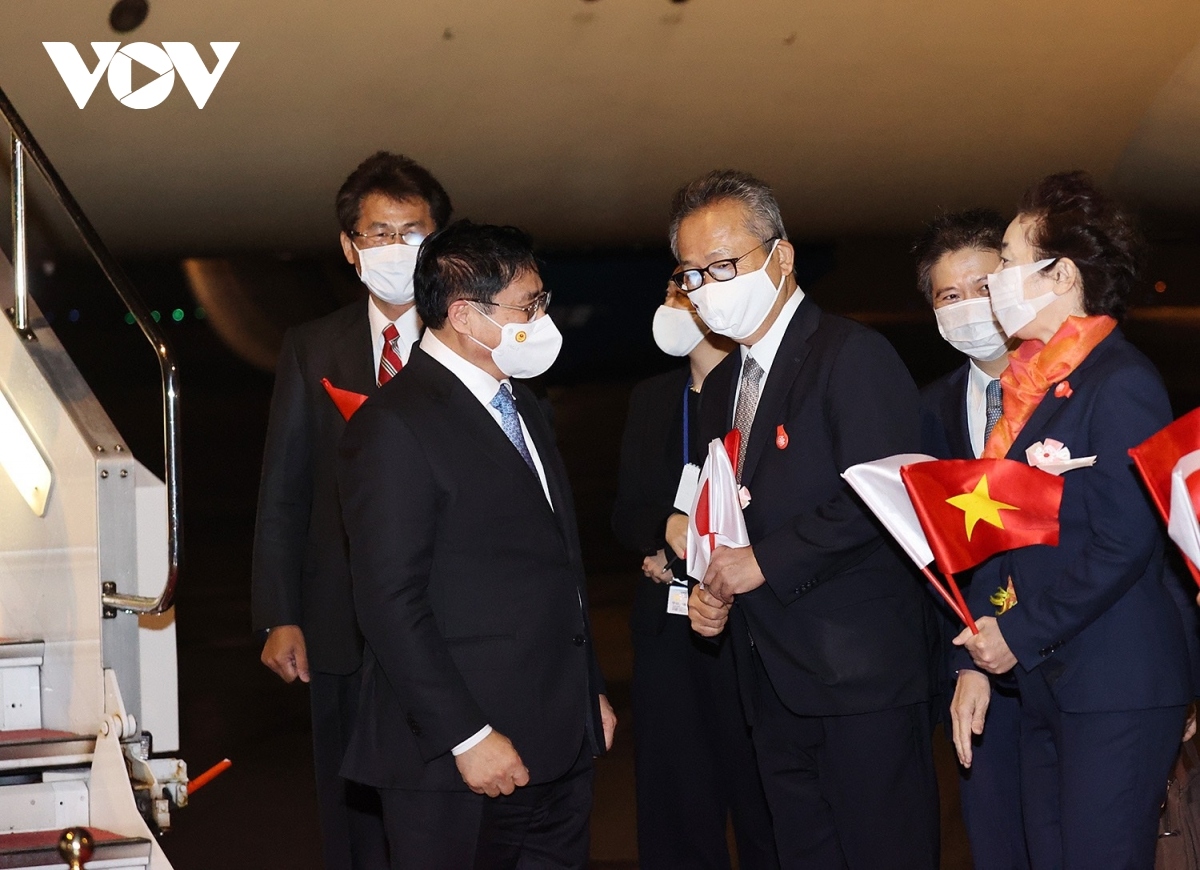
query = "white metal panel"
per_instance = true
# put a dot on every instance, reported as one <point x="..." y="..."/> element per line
<point x="43" y="806"/>
<point x="20" y="698"/>
<point x="156" y="634"/>
<point x="49" y="565"/>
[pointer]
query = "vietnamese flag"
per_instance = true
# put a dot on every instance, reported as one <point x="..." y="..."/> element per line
<point x="972" y="509"/>
<point x="347" y="401"/>
<point x="1157" y="459"/>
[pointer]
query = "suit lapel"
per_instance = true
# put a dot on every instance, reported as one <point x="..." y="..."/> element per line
<point x="480" y="426"/>
<point x="543" y="442"/>
<point x="793" y="350"/>
<point x="956" y="415"/>
<point x="352" y="355"/>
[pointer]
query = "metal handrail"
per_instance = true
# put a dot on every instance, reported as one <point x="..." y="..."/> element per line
<point x="23" y="141"/>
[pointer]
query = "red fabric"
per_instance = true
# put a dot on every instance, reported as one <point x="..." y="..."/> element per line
<point x="733" y="445"/>
<point x="1024" y="500"/>
<point x="347" y="402"/>
<point x="1156" y="457"/>
<point x="389" y="360"/>
<point x="29" y="840"/>
<point x="39" y="735"/>
<point x="1034" y="368"/>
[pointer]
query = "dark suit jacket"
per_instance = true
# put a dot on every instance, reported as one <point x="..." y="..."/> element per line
<point x="474" y="605"/>
<point x="945" y="433"/>
<point x="651" y="461"/>
<point x="300" y="575"/>
<point x="842" y="624"/>
<point x="1093" y="614"/>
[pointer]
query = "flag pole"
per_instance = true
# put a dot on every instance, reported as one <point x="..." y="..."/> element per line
<point x="933" y="581"/>
<point x="966" y="611"/>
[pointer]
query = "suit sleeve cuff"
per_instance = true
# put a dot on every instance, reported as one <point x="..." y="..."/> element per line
<point x="472" y="741"/>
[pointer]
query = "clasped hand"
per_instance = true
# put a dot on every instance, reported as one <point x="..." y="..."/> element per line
<point x="989" y="650"/>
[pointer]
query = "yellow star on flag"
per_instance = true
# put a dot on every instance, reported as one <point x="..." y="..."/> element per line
<point x="979" y="505"/>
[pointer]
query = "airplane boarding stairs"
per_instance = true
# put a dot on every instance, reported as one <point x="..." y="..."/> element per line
<point x="89" y="550"/>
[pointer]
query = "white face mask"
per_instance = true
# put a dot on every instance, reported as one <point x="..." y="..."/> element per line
<point x="1007" y="292"/>
<point x="677" y="331"/>
<point x="388" y="271"/>
<point x="737" y="308"/>
<point x="969" y="326"/>
<point x="525" y="350"/>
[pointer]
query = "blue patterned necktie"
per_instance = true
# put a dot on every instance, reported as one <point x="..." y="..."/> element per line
<point x="995" y="407"/>
<point x="511" y="423"/>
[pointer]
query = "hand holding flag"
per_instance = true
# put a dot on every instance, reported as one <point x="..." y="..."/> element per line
<point x="959" y="512"/>
<point x="716" y="518"/>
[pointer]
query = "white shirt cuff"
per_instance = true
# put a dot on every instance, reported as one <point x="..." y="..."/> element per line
<point x="472" y="741"/>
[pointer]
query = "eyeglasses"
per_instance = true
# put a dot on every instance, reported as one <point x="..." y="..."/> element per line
<point x="541" y="303"/>
<point x="378" y="240"/>
<point x="722" y="270"/>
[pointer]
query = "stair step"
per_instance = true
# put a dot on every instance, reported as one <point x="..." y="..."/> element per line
<point x="21" y="653"/>
<point x="41" y="747"/>
<point x="38" y="850"/>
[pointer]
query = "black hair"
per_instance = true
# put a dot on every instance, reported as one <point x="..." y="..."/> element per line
<point x="980" y="229"/>
<point x="468" y="261"/>
<point x="396" y="177"/>
<point x="1073" y="218"/>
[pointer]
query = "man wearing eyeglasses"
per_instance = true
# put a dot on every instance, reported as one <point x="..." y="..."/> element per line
<point x="482" y="703"/>
<point x="832" y="632"/>
<point x="301" y="579"/>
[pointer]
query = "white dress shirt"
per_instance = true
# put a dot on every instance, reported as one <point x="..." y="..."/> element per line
<point x="407" y="324"/>
<point x="765" y="349"/>
<point x="977" y="384"/>
<point x="484" y="388"/>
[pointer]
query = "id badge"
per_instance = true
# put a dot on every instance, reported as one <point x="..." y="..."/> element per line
<point x="677" y="600"/>
<point x="685" y="495"/>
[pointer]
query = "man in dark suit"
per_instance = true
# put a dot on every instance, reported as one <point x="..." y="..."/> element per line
<point x="482" y="704"/>
<point x="954" y="256"/>
<point x="300" y="590"/>
<point x="832" y="630"/>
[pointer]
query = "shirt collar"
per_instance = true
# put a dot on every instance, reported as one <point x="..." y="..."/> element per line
<point x="482" y="385"/>
<point x="765" y="349"/>
<point x="979" y="379"/>
<point x="407" y="324"/>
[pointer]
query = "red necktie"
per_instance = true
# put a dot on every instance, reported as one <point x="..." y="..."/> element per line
<point x="389" y="360"/>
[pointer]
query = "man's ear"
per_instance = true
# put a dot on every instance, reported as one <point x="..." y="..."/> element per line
<point x="787" y="256"/>
<point x="458" y="316"/>
<point x="1065" y="275"/>
<point x="348" y="250"/>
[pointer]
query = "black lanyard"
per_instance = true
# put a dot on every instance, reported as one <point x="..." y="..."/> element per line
<point x="687" y="388"/>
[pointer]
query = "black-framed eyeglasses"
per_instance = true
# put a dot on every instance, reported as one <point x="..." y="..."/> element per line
<point x="540" y="303"/>
<point x="412" y="238"/>
<point x="720" y="270"/>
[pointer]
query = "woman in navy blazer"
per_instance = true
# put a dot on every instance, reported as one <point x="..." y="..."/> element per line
<point x="1095" y="642"/>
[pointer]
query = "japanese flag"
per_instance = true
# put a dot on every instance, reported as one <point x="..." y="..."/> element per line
<point x="879" y="484"/>
<point x="1185" y="503"/>
<point x="716" y="518"/>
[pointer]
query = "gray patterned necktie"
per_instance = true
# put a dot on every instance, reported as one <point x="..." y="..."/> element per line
<point x="747" y="404"/>
<point x="995" y="407"/>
